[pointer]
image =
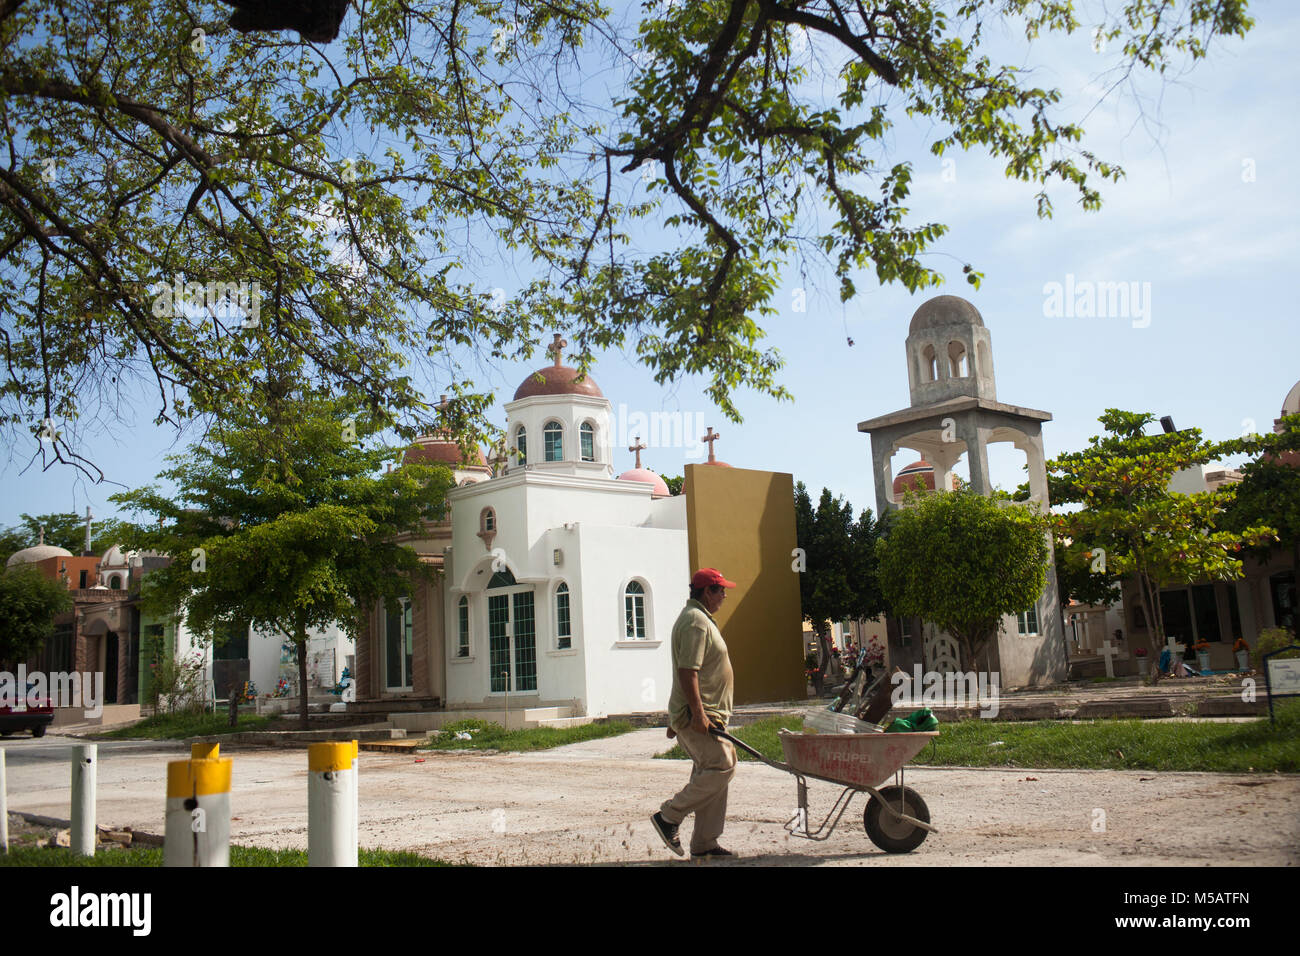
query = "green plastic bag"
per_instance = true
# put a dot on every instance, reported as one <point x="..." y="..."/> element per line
<point x="917" y="720"/>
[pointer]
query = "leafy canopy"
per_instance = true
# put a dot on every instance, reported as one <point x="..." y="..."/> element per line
<point x="287" y="525"/>
<point x="1131" y="523"/>
<point x="962" y="561"/>
<point x="29" y="602"/>
<point x="184" y="205"/>
<point x="838" y="576"/>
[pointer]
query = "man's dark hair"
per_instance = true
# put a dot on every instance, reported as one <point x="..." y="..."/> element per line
<point x="697" y="593"/>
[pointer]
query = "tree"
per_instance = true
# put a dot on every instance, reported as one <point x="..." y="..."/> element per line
<point x="1130" y="523"/>
<point x="837" y="579"/>
<point x="1269" y="492"/>
<point x="67" y="531"/>
<point x="962" y="562"/>
<point x="184" y="201"/>
<point x="287" y="524"/>
<point x="29" y="602"/>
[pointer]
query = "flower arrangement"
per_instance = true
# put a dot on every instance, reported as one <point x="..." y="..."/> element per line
<point x="1139" y="652"/>
<point x="1240" y="645"/>
<point x="1201" y="646"/>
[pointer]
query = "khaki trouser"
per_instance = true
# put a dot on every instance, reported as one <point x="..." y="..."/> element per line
<point x="706" y="794"/>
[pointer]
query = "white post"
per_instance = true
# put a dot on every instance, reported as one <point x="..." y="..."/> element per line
<point x="1109" y="650"/>
<point x="356" y="796"/>
<point x="331" y="804"/>
<point x="4" y="807"/>
<point x="198" y="812"/>
<point x="84" y="837"/>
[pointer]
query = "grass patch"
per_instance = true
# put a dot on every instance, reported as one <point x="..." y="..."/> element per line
<point x="1096" y="745"/>
<point x="180" y="726"/>
<point x="489" y="736"/>
<point x="239" y="856"/>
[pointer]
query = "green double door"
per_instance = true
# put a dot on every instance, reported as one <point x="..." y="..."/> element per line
<point x="512" y="641"/>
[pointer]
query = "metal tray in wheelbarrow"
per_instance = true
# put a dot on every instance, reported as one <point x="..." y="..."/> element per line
<point x="854" y="760"/>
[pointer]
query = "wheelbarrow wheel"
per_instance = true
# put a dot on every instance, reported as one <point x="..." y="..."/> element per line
<point x="889" y="833"/>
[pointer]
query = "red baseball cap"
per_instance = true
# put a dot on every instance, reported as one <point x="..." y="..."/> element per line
<point x="709" y="577"/>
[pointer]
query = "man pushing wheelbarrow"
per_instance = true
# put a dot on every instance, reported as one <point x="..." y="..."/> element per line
<point x="700" y="699"/>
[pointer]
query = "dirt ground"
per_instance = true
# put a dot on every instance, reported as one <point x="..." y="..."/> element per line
<point x="590" y="804"/>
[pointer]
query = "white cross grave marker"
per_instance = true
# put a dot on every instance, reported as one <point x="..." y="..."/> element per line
<point x="1108" y="651"/>
<point x="1175" y="651"/>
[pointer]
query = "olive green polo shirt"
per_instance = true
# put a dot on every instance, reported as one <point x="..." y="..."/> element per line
<point x="698" y="646"/>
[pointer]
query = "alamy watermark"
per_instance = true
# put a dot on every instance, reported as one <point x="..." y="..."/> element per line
<point x="953" y="689"/>
<point x="57" y="689"/>
<point x="223" y="300"/>
<point x="662" y="430"/>
<point x="1084" y="299"/>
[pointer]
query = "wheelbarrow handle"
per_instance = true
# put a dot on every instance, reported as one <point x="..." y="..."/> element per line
<point x="719" y="732"/>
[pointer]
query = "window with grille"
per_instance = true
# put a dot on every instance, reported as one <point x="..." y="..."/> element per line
<point x="521" y="445"/>
<point x="563" y="630"/>
<point x="1027" y="621"/>
<point x="634" y="612"/>
<point x="462" y="611"/>
<point x="588" y="438"/>
<point x="553" y="435"/>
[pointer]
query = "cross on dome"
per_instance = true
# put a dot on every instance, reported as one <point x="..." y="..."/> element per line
<point x="636" y="447"/>
<point x="556" y="348"/>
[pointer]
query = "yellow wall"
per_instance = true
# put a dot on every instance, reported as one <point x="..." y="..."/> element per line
<point x="742" y="523"/>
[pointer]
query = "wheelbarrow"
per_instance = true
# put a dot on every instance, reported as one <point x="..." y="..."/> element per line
<point x="896" y="818"/>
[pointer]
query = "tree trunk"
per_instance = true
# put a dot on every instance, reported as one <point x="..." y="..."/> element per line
<point x="300" y="640"/>
<point x="823" y="657"/>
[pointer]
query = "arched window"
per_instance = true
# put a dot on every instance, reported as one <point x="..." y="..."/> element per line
<point x="587" y="436"/>
<point x="115" y="583"/>
<point x="929" y="364"/>
<point x="521" y="444"/>
<point x="487" y="525"/>
<point x="553" y="439"/>
<point x="563" y="626"/>
<point x="957" y="360"/>
<point x="462" y="616"/>
<point x="634" y="612"/>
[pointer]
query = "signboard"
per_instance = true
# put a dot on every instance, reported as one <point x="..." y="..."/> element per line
<point x="1282" y="676"/>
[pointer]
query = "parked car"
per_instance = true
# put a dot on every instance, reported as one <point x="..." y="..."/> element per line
<point x="35" y="716"/>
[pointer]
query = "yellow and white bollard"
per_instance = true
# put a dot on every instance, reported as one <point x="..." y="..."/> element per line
<point x="84" y="835"/>
<point x="332" y="804"/>
<point x="198" y="813"/>
<point x="356" y="796"/>
<point x="205" y="751"/>
<point x="4" y="807"/>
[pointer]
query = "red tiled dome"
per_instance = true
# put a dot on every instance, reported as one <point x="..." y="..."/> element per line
<point x="440" y="451"/>
<point x="557" y="380"/>
<point x="906" y="481"/>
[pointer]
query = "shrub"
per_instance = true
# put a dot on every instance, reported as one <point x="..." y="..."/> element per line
<point x="1271" y="639"/>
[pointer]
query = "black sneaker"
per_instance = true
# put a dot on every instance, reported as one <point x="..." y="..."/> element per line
<point x="716" y="851"/>
<point x="668" y="833"/>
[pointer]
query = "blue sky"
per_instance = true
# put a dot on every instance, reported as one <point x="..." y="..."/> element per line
<point x="1207" y="215"/>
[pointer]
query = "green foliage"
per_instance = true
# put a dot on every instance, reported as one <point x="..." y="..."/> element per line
<point x="839" y="580"/>
<point x="287" y="524"/>
<point x="361" y="184"/>
<point x="1130" y="522"/>
<point x="492" y="736"/>
<point x="961" y="561"/>
<point x="1272" y="639"/>
<point x="29" y="602"/>
<point x="674" y="484"/>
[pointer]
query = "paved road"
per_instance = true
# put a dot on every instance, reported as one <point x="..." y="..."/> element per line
<point x="590" y="803"/>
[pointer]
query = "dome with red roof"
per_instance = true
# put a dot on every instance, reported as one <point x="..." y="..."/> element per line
<point x="430" y="450"/>
<point x="557" y="379"/>
<point x="920" y="470"/>
<point x="649" y="477"/>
